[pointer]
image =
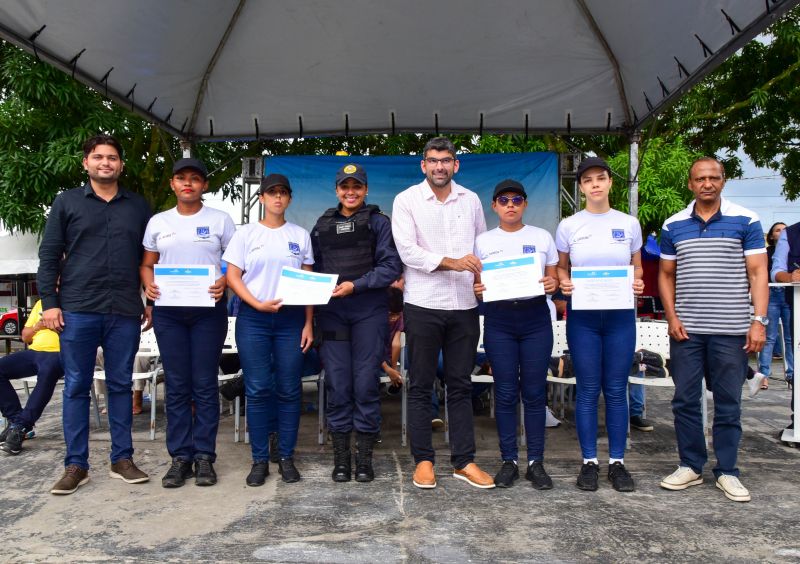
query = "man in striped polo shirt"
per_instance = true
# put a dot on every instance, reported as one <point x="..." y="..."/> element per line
<point x="712" y="256"/>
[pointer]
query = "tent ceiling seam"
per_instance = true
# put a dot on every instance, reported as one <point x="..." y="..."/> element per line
<point x="201" y="92"/>
<point x="623" y="98"/>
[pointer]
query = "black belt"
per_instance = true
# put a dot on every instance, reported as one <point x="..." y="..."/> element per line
<point x="515" y="305"/>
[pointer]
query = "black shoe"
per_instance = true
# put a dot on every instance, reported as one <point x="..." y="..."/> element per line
<point x="204" y="474"/>
<point x="258" y="474"/>
<point x="587" y="479"/>
<point x="620" y="478"/>
<point x="364" y="444"/>
<point x="287" y="470"/>
<point x="14" y="438"/>
<point x="509" y="472"/>
<point x="341" y="457"/>
<point x="274" y="455"/>
<point x="537" y="476"/>
<point x="179" y="471"/>
<point x="640" y="423"/>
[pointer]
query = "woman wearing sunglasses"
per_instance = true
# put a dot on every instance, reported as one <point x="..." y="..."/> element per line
<point x="518" y="336"/>
<point x="601" y="342"/>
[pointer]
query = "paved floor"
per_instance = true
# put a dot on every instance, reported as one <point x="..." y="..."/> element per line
<point x="390" y="520"/>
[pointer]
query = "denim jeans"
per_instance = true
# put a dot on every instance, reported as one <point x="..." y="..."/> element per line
<point x="455" y="333"/>
<point x="777" y="311"/>
<point x="272" y="364"/>
<point x="518" y="342"/>
<point x="46" y="366"/>
<point x="119" y="337"/>
<point x="190" y="340"/>
<point x="636" y="400"/>
<point x="602" y="344"/>
<point x="722" y="360"/>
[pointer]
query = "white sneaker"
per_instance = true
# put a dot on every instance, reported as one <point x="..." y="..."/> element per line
<point x="754" y="384"/>
<point x="733" y="488"/>
<point x="681" y="479"/>
<point x="550" y="420"/>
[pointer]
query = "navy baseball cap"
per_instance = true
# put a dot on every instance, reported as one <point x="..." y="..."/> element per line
<point x="272" y="180"/>
<point x="509" y="185"/>
<point x="352" y="170"/>
<point x="194" y="164"/>
<point x="592" y="162"/>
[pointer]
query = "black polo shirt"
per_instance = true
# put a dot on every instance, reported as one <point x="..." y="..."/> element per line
<point x="96" y="248"/>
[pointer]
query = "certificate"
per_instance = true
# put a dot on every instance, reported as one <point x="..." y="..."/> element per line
<point x="512" y="277"/>
<point x="600" y="287"/>
<point x="184" y="284"/>
<point x="301" y="287"/>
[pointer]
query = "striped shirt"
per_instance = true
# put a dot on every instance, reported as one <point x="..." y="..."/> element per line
<point x="425" y="231"/>
<point x="711" y="284"/>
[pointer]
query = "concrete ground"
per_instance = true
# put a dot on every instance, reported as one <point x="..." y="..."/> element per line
<point x="390" y="520"/>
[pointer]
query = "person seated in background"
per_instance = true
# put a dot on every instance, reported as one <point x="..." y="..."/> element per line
<point x="41" y="359"/>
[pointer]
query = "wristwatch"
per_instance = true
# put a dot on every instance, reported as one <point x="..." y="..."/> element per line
<point x="762" y="319"/>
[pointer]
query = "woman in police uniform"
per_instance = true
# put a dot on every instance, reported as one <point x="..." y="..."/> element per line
<point x="354" y="240"/>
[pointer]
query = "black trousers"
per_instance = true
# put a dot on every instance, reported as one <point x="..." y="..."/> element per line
<point x="455" y="333"/>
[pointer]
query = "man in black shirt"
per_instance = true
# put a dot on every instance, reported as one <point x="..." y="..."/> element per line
<point x="93" y="244"/>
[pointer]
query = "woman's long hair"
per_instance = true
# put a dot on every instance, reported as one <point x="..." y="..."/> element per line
<point x="770" y="241"/>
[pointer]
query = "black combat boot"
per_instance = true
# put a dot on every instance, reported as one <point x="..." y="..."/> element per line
<point x="364" y="444"/>
<point x="341" y="457"/>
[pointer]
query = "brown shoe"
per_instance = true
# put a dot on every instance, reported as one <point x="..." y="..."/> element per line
<point x="73" y="478"/>
<point x="138" y="397"/>
<point x="474" y="476"/>
<point x="424" y="476"/>
<point x="127" y="471"/>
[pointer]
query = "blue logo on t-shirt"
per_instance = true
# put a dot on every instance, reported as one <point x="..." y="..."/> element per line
<point x="527" y="249"/>
<point x="204" y="232"/>
<point x="294" y="248"/>
<point x="618" y="233"/>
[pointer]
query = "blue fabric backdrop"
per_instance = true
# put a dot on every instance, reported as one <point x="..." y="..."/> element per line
<point x="313" y="182"/>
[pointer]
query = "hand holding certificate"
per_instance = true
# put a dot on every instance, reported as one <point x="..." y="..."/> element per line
<point x="301" y="287"/>
<point x="512" y="277"/>
<point x="184" y="284"/>
<point x="598" y="287"/>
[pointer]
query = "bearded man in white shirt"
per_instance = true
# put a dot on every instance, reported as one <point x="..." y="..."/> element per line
<point x="434" y="224"/>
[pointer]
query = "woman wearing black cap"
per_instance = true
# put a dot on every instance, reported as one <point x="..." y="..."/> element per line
<point x="354" y="240"/>
<point x="190" y="338"/>
<point x="601" y="342"/>
<point x="271" y="338"/>
<point x="518" y="336"/>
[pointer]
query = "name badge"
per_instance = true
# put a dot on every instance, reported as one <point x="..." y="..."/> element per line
<point x="346" y="227"/>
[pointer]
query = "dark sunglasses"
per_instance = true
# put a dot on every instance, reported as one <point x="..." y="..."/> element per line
<point x="517" y="200"/>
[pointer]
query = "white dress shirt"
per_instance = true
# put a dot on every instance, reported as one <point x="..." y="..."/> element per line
<point x="426" y="231"/>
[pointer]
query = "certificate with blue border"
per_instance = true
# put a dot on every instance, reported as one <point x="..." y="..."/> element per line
<point x="184" y="284"/>
<point x="514" y="277"/>
<point x="602" y="287"/>
<point x="301" y="287"/>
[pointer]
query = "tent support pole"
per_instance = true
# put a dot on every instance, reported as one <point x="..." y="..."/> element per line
<point x="633" y="173"/>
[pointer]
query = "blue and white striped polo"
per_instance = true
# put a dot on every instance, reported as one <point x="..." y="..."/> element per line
<point x="711" y="285"/>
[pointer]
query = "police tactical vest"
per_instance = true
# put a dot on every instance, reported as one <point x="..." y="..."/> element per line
<point x="346" y="246"/>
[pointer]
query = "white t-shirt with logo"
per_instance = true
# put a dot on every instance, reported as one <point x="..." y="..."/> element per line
<point x="599" y="239"/>
<point x="260" y="252"/>
<point x="529" y="239"/>
<point x="200" y="238"/>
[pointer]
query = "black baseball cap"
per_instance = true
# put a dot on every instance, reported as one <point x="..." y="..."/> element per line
<point x="194" y="164"/>
<point x="592" y="162"/>
<point x="352" y="170"/>
<point x="509" y="185"/>
<point x="272" y="180"/>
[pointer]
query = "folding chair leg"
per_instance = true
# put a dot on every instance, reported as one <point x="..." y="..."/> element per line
<point x="446" y="419"/>
<point x="321" y="409"/>
<point x="704" y="409"/>
<point x="153" y="390"/>
<point x="237" y="406"/>
<point x="404" y="413"/>
<point x="522" y="437"/>
<point x="96" y="407"/>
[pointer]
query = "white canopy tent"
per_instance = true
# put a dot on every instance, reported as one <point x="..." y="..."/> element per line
<point x="19" y="255"/>
<point x="225" y="69"/>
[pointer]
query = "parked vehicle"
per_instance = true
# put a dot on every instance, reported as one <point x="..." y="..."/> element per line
<point x="9" y="322"/>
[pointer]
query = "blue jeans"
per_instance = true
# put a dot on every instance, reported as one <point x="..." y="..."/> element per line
<point x="778" y="310"/>
<point x="190" y="340"/>
<point x="722" y="360"/>
<point x="46" y="366"/>
<point x="272" y="364"/>
<point x="518" y="342"/>
<point x="602" y="344"/>
<point x="636" y="400"/>
<point x="119" y="337"/>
